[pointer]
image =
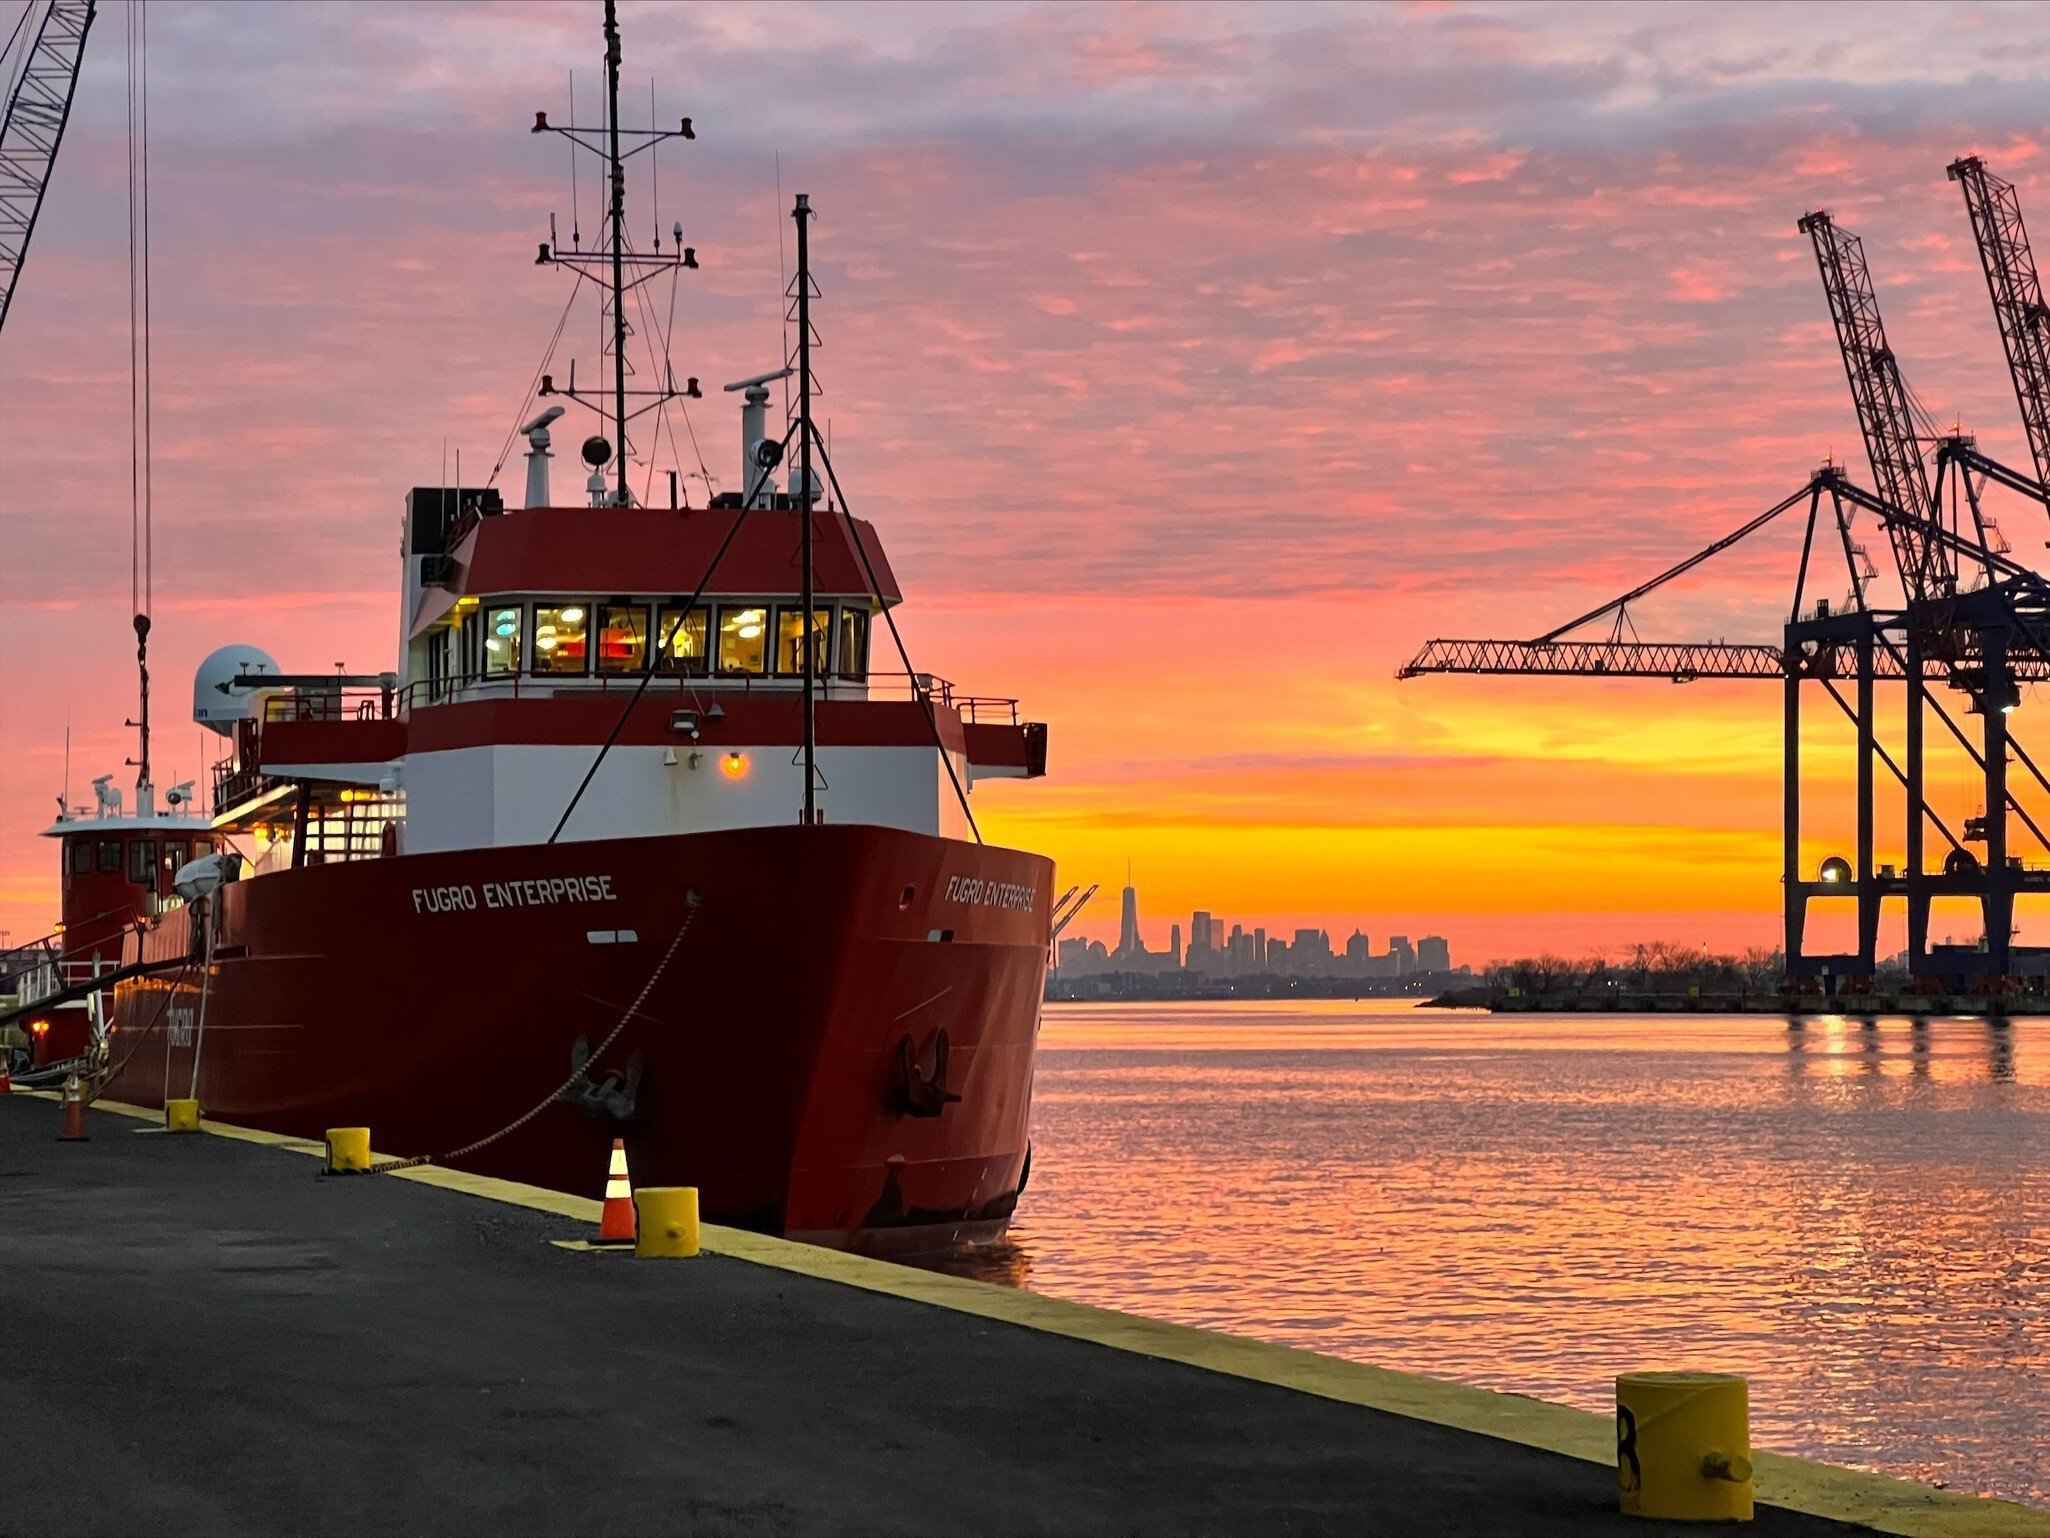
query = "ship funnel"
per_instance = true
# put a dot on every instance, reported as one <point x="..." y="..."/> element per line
<point x="754" y="431"/>
<point x="538" y="456"/>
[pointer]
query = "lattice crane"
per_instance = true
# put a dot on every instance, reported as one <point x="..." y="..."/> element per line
<point x="1996" y="214"/>
<point x="1885" y="414"/>
<point x="38" y="108"/>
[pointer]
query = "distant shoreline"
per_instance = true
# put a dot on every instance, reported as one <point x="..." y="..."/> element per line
<point x="1511" y="1001"/>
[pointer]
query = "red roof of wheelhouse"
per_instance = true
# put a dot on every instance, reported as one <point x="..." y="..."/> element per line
<point x="661" y="550"/>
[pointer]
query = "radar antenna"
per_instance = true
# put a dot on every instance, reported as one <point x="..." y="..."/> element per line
<point x="618" y="269"/>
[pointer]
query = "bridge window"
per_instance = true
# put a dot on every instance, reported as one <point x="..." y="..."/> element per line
<point x="853" y="643"/>
<point x="81" y="857"/>
<point x="682" y="638"/>
<point x="177" y="855"/>
<point x="622" y="638"/>
<point x="110" y="857"/>
<point x="743" y="640"/>
<point x="562" y="638"/>
<point x="142" y="861"/>
<point x="502" y="641"/>
<point x="790" y="640"/>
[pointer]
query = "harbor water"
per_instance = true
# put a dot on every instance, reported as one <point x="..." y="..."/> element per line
<point x="1856" y="1217"/>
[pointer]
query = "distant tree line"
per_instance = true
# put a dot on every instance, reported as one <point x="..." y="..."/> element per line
<point x="1657" y="966"/>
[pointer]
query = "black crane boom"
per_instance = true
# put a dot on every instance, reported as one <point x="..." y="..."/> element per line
<point x="2017" y="293"/>
<point x="33" y="127"/>
<point x="1885" y="417"/>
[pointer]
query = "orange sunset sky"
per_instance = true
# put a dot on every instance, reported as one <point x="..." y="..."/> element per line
<point x="1197" y="363"/>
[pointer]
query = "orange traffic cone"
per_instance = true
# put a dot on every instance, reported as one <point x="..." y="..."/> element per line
<point x="616" y="1222"/>
<point x="74" y="1112"/>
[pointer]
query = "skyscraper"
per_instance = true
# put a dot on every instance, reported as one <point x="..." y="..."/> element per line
<point x="1129" y="943"/>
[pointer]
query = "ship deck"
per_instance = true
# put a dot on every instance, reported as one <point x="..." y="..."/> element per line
<point x="204" y="1335"/>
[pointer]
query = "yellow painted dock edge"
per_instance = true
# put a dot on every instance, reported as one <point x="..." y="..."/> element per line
<point x="1818" y="1489"/>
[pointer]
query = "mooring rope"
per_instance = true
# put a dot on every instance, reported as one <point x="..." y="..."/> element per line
<point x="105" y="1077"/>
<point x="388" y="1166"/>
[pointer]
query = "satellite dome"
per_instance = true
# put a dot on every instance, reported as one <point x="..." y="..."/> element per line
<point x="217" y="705"/>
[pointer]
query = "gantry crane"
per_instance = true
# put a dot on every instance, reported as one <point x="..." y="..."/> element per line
<point x="1983" y="637"/>
<point x="38" y="107"/>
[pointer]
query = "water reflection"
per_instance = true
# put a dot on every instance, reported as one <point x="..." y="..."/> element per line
<point x="1854" y="1213"/>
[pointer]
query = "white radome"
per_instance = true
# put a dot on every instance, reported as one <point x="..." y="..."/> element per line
<point x="218" y="706"/>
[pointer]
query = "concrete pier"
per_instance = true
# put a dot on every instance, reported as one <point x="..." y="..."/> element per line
<point x="205" y="1335"/>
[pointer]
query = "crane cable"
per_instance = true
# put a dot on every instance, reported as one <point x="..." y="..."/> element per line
<point x="140" y="437"/>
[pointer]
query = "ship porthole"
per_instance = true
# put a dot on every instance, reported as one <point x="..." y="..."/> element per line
<point x="904" y="898"/>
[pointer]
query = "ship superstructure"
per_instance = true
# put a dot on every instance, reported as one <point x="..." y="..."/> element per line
<point x="635" y="839"/>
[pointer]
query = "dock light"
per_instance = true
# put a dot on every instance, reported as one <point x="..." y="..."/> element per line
<point x="734" y="766"/>
<point x="1836" y="870"/>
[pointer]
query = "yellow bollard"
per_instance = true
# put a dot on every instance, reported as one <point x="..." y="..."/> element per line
<point x="668" y="1220"/>
<point x="1683" y="1446"/>
<point x="181" y="1115"/>
<point x="348" y="1150"/>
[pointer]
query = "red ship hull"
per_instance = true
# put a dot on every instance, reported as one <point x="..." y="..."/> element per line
<point x="839" y="1049"/>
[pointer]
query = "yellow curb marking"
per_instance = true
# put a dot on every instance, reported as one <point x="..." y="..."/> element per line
<point x="1889" y="1505"/>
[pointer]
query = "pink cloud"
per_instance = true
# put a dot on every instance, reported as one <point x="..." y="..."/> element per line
<point x="1146" y="331"/>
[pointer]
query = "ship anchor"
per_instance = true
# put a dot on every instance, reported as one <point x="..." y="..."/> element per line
<point x="922" y="1086"/>
<point x="614" y="1096"/>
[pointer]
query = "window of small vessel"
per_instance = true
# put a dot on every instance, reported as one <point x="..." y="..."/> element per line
<point x="853" y="643"/>
<point x="681" y="638"/>
<point x="142" y="861"/>
<point x="622" y="638"/>
<point x="81" y="857"/>
<point x="790" y="640"/>
<point x="562" y="638"/>
<point x="176" y="856"/>
<point x="743" y="639"/>
<point x="110" y="857"/>
<point x="501" y="641"/>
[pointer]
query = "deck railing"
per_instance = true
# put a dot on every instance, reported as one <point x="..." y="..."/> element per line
<point x="344" y="704"/>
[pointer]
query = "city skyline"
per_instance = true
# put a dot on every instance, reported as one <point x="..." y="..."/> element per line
<point x="1219" y="946"/>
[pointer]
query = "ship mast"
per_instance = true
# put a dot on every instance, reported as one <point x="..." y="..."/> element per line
<point x="802" y="214"/>
<point x="617" y="177"/>
<point x="618" y="270"/>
